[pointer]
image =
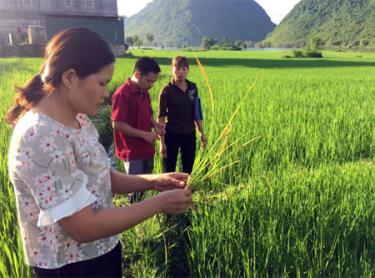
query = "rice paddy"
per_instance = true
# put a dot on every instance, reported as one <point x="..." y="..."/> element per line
<point x="285" y="187"/>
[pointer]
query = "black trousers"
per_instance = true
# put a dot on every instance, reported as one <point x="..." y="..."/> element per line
<point x="176" y="142"/>
<point x="107" y="265"/>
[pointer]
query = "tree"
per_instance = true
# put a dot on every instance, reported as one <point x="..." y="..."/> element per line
<point x="129" y="41"/>
<point x="239" y="44"/>
<point x="150" y="37"/>
<point x="315" y="43"/>
<point x="226" y="43"/>
<point x="207" y="43"/>
<point x="137" y="41"/>
<point x="248" y="44"/>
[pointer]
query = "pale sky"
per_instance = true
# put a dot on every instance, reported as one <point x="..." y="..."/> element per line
<point x="276" y="9"/>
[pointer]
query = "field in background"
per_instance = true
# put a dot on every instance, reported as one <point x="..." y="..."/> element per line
<point x="297" y="200"/>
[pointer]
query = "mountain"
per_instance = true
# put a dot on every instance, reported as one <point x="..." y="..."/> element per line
<point x="347" y="23"/>
<point x="185" y="22"/>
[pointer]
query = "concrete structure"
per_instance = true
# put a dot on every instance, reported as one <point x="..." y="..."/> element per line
<point x="29" y="20"/>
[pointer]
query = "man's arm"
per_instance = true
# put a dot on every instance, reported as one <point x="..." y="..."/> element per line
<point x="163" y="147"/>
<point x="120" y="113"/>
<point x="130" y="131"/>
<point x="158" y="127"/>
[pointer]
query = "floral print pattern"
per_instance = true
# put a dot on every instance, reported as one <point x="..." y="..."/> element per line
<point x="51" y="165"/>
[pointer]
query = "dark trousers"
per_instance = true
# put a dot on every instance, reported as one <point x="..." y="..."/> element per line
<point x="107" y="265"/>
<point x="176" y="142"/>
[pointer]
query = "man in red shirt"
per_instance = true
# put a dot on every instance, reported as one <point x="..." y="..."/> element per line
<point x="132" y="120"/>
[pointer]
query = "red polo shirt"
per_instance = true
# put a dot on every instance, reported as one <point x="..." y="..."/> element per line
<point x="133" y="107"/>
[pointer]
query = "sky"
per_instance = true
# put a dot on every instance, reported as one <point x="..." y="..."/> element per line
<point x="276" y="9"/>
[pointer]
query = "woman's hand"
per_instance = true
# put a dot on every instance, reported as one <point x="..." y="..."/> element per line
<point x="203" y="140"/>
<point x="163" y="150"/>
<point x="170" y="181"/>
<point x="174" y="201"/>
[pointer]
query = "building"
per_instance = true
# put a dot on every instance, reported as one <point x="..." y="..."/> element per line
<point x="27" y="18"/>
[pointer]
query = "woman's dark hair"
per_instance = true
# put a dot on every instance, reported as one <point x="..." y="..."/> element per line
<point x="76" y="48"/>
<point x="180" y="61"/>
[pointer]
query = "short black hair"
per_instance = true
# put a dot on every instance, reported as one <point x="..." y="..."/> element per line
<point x="145" y="65"/>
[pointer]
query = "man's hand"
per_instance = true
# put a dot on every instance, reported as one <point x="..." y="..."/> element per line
<point x="170" y="181"/>
<point x="160" y="129"/>
<point x="163" y="150"/>
<point x="150" y="137"/>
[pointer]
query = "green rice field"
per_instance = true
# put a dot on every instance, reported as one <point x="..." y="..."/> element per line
<point x="285" y="187"/>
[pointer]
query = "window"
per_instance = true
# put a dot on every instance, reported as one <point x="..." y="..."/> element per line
<point x="67" y="3"/>
<point x="26" y="3"/>
<point x="89" y="4"/>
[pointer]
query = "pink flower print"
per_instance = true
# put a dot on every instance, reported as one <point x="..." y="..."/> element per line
<point x="94" y="189"/>
<point x="30" y="134"/>
<point x="57" y="157"/>
<point x="73" y="251"/>
<point x="72" y="159"/>
<point x="45" y="191"/>
<point x="66" y="191"/>
<point x="24" y="160"/>
<point x="97" y="152"/>
<point x="24" y="164"/>
<point x="101" y="247"/>
<point x="50" y="237"/>
<point x="85" y="157"/>
<point x="43" y="264"/>
<point x="27" y="151"/>
<point x="58" y="132"/>
<point x="48" y="144"/>
<point x="29" y="208"/>
<point x="48" y="195"/>
<point x="104" y="172"/>
<point x="98" y="204"/>
<point x="37" y="256"/>
<point x="25" y="237"/>
<point x="45" y="179"/>
<point x="82" y="120"/>
<point x="82" y="141"/>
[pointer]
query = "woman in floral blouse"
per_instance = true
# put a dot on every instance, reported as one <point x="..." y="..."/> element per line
<point x="62" y="179"/>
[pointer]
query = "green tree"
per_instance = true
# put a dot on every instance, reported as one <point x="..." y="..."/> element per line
<point x="226" y="43"/>
<point x="248" y="44"/>
<point x="239" y="44"/>
<point x="315" y="43"/>
<point x="207" y="43"/>
<point x="137" y="41"/>
<point x="129" y="41"/>
<point x="150" y="37"/>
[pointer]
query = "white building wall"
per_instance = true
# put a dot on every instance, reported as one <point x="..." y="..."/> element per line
<point x="63" y="7"/>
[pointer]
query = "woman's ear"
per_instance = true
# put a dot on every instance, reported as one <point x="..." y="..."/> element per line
<point x="69" y="78"/>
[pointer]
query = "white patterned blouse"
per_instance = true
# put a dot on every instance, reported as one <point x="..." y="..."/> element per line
<point x="56" y="171"/>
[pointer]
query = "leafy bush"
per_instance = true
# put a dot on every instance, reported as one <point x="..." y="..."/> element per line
<point x="103" y="124"/>
<point x="297" y="54"/>
<point x="305" y="54"/>
<point x="313" y="54"/>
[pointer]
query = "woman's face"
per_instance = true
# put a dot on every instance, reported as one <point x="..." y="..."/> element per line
<point x="180" y="73"/>
<point x="90" y="92"/>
